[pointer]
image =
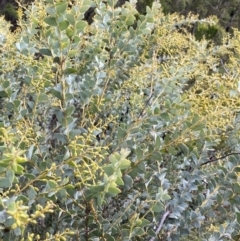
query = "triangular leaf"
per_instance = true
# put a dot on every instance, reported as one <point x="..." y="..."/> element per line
<point x="80" y="25"/>
<point x="61" y="7"/>
<point x="63" y="25"/>
<point x="51" y="21"/>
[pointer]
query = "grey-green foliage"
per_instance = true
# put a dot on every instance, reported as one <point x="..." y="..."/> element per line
<point x="98" y="141"/>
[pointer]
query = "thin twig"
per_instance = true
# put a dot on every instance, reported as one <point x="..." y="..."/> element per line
<point x="222" y="157"/>
<point x="160" y="224"/>
<point x="224" y="66"/>
<point x="146" y="105"/>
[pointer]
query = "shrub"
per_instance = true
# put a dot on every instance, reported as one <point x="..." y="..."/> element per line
<point x="107" y="129"/>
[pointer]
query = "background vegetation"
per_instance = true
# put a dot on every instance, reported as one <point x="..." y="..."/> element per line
<point x="227" y="12"/>
<point x="123" y="129"/>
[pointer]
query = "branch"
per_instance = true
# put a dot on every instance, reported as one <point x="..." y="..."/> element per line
<point x="146" y="105"/>
<point x="233" y="14"/>
<point x="222" y="157"/>
<point x="160" y="224"/>
<point x="224" y="66"/>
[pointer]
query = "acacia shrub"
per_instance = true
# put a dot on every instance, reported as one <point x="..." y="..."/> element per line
<point x="102" y="133"/>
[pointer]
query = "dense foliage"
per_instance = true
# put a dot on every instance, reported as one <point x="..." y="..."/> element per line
<point x="226" y="10"/>
<point x="124" y="129"/>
